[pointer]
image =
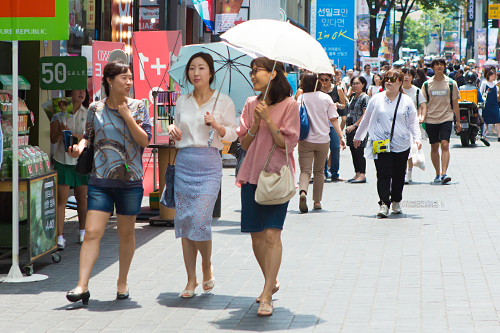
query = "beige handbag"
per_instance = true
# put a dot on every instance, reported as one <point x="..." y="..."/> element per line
<point x="274" y="189"/>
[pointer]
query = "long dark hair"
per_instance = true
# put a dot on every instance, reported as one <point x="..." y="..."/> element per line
<point x="208" y="59"/>
<point x="421" y="75"/>
<point x="111" y="70"/>
<point x="280" y="88"/>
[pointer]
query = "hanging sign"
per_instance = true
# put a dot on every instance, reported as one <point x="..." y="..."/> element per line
<point x="471" y="10"/>
<point x="494" y="12"/>
<point x="63" y="73"/>
<point x="34" y="20"/>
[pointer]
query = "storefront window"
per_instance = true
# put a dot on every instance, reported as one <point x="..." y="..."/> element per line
<point x="82" y="22"/>
<point x="149" y="15"/>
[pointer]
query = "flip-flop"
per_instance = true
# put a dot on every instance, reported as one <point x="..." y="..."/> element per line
<point x="261" y="312"/>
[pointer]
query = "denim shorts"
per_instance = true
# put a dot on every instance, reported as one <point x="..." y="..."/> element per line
<point x="127" y="200"/>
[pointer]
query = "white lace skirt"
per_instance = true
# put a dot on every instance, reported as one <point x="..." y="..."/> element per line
<point x="198" y="173"/>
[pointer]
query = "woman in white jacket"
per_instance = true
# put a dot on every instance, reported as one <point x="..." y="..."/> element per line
<point x="379" y="123"/>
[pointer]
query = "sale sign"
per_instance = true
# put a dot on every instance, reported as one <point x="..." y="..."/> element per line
<point x="100" y="57"/>
<point x="152" y="54"/>
<point x="149" y="19"/>
<point x="34" y="20"/>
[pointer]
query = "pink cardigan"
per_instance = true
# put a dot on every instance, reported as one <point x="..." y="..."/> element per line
<point x="286" y="117"/>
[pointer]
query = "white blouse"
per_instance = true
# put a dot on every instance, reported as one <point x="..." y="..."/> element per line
<point x="189" y="117"/>
<point x="378" y="123"/>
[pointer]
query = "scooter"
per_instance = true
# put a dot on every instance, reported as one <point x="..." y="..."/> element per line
<point x="469" y="123"/>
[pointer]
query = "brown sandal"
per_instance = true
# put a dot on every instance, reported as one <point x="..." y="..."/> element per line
<point x="261" y="312"/>
<point x="275" y="290"/>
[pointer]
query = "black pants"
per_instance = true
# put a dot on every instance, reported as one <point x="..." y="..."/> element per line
<point x="391" y="166"/>
<point x="358" y="159"/>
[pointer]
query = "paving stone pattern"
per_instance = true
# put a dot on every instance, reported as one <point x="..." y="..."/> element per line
<point x="433" y="269"/>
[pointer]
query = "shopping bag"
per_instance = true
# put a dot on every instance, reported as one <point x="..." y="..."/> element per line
<point x="167" y="197"/>
<point x="417" y="157"/>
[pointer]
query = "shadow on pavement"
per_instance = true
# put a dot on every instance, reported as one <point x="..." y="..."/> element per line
<point x="241" y="312"/>
<point x="102" y="306"/>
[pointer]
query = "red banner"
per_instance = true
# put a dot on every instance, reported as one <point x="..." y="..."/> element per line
<point x="152" y="53"/>
<point x="28" y="8"/>
<point x="100" y="56"/>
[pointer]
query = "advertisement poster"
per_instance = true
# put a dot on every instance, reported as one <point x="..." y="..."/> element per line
<point x="42" y="216"/>
<point x="481" y="43"/>
<point x="226" y="13"/>
<point x="153" y="53"/>
<point x="492" y="43"/>
<point x="373" y="62"/>
<point x="333" y="27"/>
<point x="149" y="19"/>
<point x="100" y="56"/>
<point x="363" y="35"/>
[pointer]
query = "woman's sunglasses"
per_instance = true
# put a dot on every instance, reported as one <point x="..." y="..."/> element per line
<point x="326" y="79"/>
<point x="392" y="79"/>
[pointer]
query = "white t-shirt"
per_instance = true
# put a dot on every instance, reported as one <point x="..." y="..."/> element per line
<point x="485" y="84"/>
<point x="76" y="124"/>
<point x="320" y="109"/>
<point x="412" y="93"/>
<point x="346" y="80"/>
<point x="368" y="78"/>
<point x="375" y="90"/>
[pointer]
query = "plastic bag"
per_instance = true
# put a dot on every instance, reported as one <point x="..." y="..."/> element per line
<point x="423" y="133"/>
<point x="418" y="157"/>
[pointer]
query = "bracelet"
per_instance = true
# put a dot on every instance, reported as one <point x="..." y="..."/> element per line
<point x="277" y="132"/>
<point x="252" y="135"/>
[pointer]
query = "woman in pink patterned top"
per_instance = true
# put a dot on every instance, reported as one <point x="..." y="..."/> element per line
<point x="263" y="124"/>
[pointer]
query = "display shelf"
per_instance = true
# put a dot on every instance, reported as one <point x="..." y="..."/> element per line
<point x="9" y="113"/>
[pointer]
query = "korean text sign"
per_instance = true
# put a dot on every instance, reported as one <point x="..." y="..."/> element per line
<point x="34" y="20"/>
<point x="335" y="30"/>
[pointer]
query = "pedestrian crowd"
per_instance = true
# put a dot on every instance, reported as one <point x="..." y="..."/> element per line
<point x="380" y="116"/>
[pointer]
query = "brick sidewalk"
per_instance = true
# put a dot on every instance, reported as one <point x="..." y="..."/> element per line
<point x="434" y="269"/>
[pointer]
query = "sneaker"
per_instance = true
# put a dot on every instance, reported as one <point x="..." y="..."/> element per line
<point x="446" y="179"/>
<point x="80" y="238"/>
<point x="61" y="243"/>
<point x="396" y="208"/>
<point x="437" y="179"/>
<point x="384" y="211"/>
<point x="303" y="203"/>
<point x="408" y="178"/>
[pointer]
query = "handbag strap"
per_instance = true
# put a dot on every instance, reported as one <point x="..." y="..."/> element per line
<point x="271" y="154"/>
<point x="92" y="130"/>
<point x="394" y="119"/>
<point x="175" y="156"/>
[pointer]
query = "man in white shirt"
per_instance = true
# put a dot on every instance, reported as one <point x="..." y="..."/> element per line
<point x="346" y="80"/>
<point x="368" y="75"/>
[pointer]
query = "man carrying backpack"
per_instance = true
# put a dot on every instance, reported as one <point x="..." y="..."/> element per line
<point x="442" y="103"/>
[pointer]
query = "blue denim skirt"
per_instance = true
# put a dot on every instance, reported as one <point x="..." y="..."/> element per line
<point x="256" y="217"/>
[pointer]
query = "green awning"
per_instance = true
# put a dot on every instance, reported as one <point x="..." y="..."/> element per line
<point x="6" y="82"/>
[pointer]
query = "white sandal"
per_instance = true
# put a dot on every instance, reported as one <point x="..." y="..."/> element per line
<point x="187" y="293"/>
<point x="210" y="284"/>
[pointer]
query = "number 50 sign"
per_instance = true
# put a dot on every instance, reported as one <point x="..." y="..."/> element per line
<point x="63" y="73"/>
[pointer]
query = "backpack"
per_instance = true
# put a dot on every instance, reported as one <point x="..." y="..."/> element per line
<point x="418" y="93"/>
<point x="450" y="85"/>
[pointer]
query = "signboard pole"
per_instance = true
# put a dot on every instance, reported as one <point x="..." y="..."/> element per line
<point x="15" y="274"/>
<point x="15" y="271"/>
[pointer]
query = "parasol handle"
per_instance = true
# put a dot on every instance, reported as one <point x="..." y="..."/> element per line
<point x="269" y="83"/>
<point x="218" y="94"/>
